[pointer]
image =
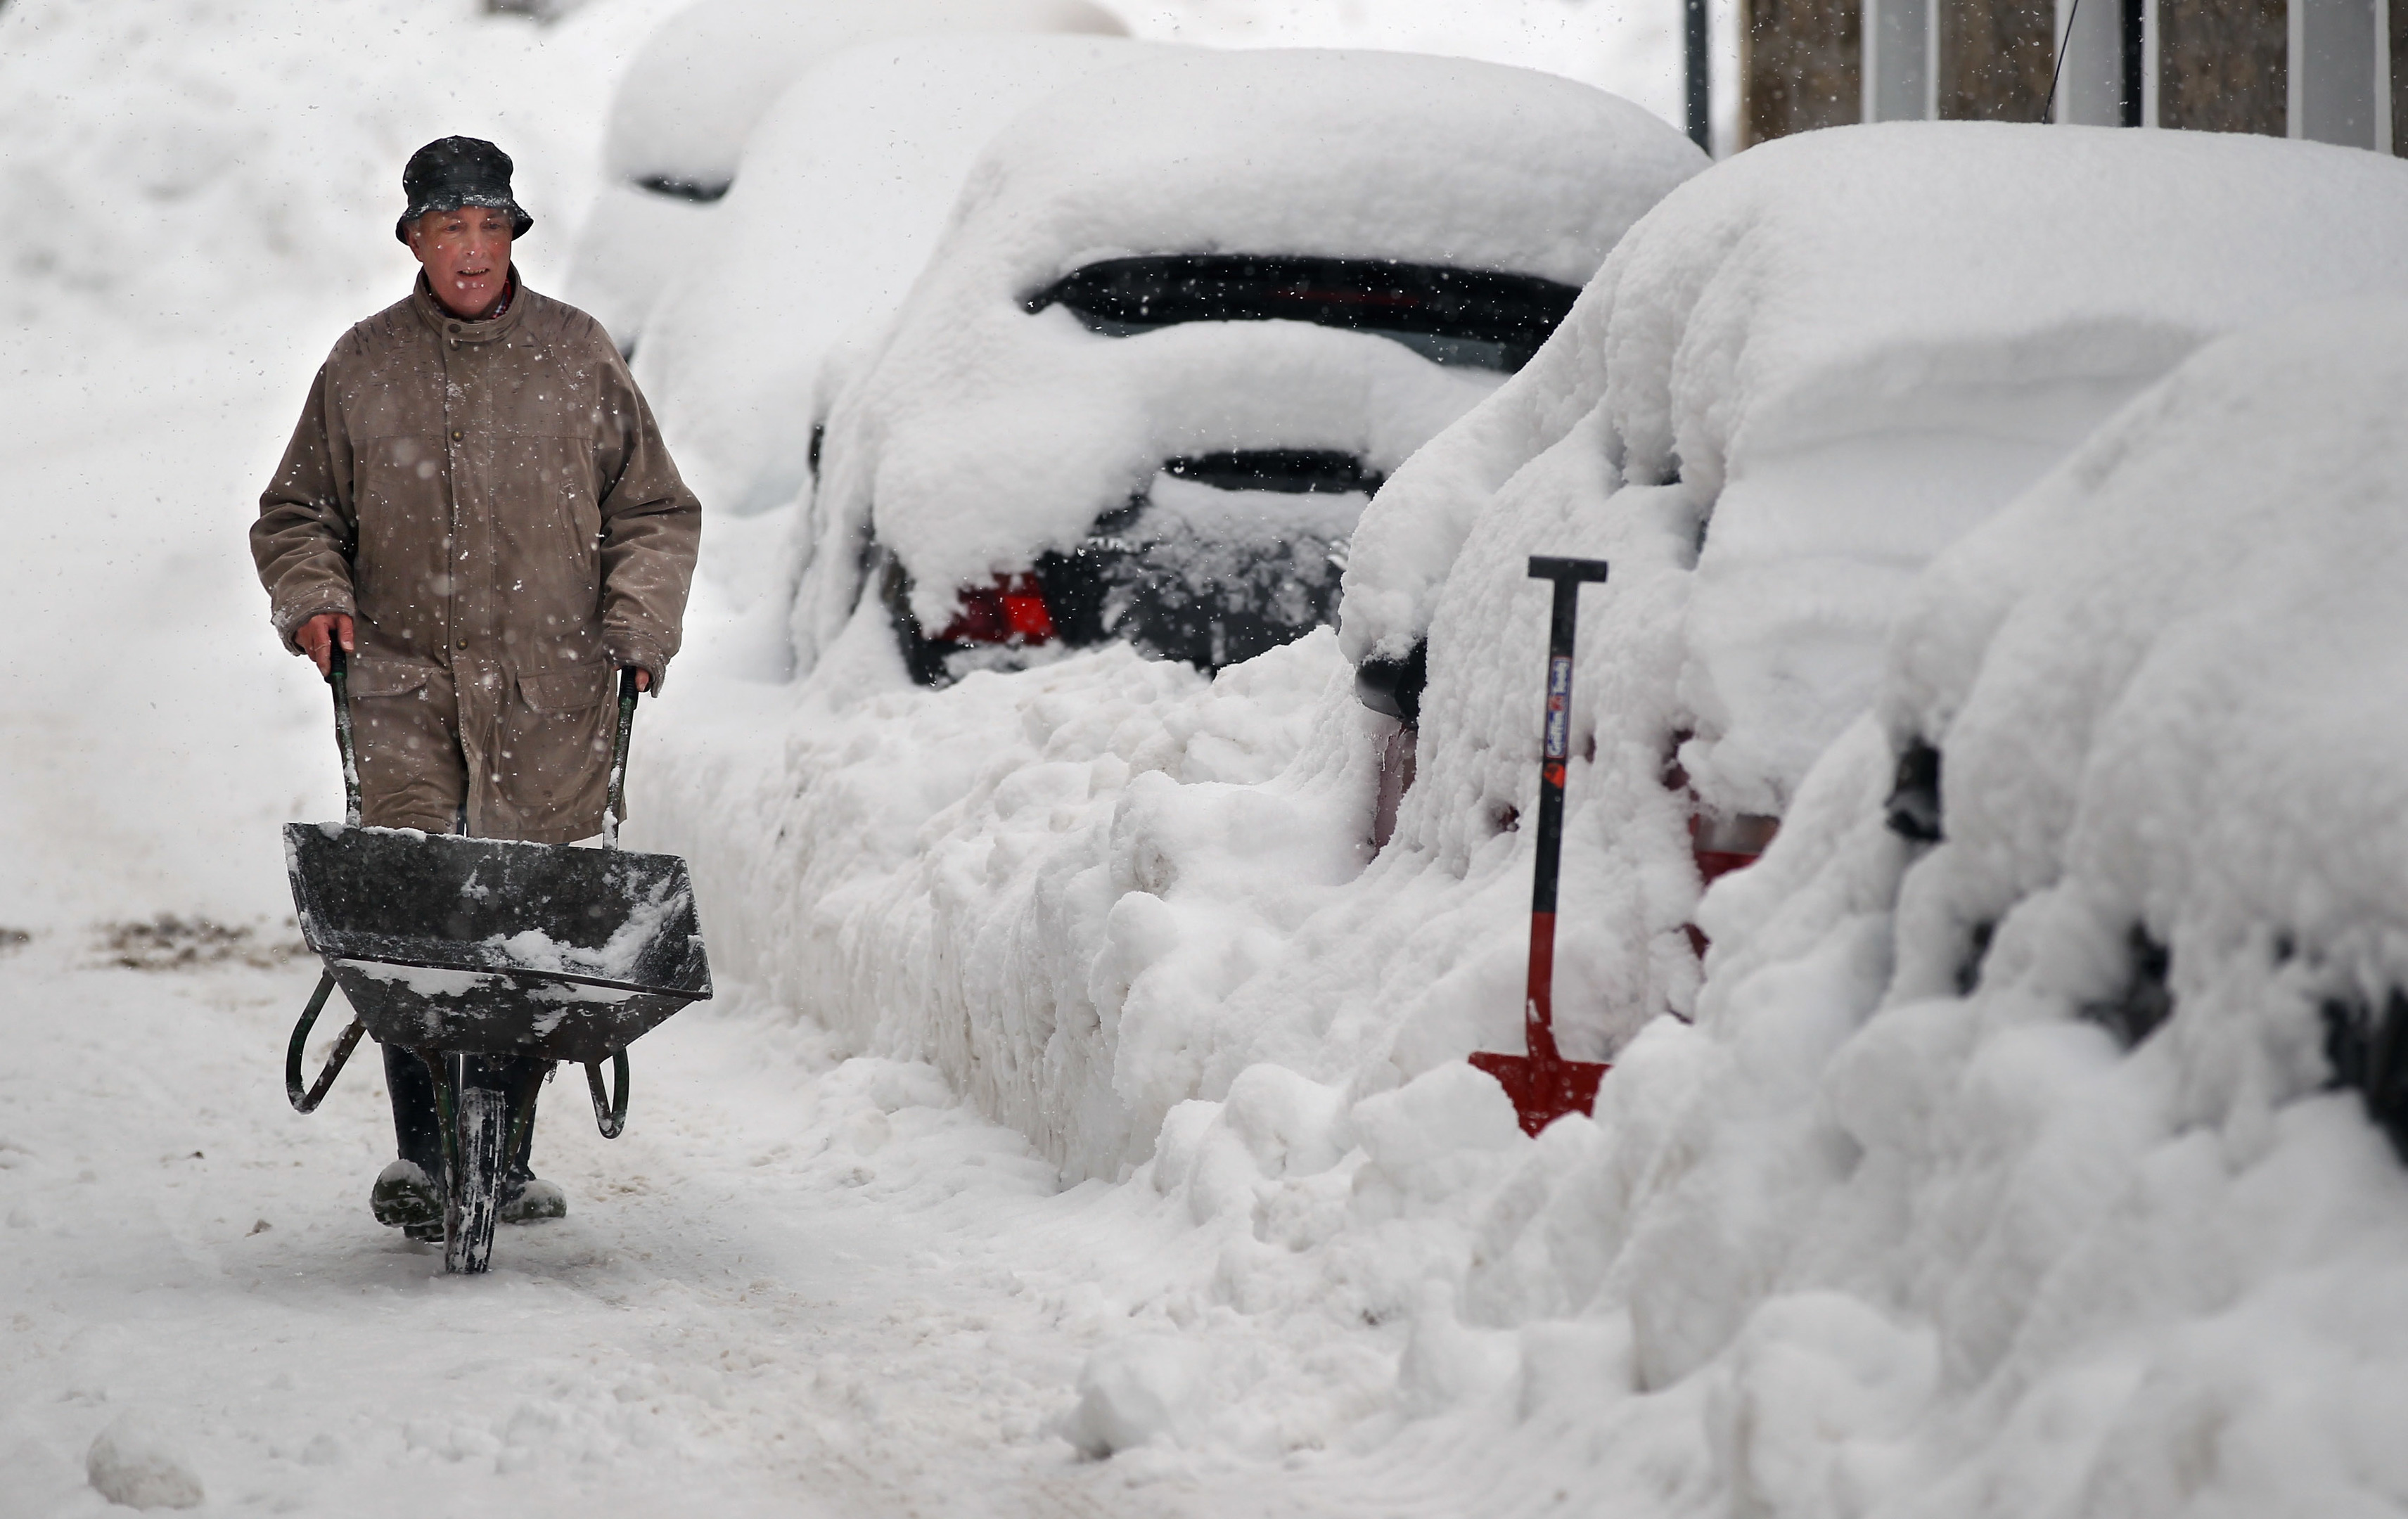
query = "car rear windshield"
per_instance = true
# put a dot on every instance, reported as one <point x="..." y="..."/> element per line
<point x="1477" y="316"/>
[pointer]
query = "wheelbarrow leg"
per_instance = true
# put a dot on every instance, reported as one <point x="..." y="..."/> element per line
<point x="488" y="1103"/>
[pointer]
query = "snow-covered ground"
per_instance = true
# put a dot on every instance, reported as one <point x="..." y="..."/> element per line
<point x="796" y="1285"/>
<point x="1896" y="1227"/>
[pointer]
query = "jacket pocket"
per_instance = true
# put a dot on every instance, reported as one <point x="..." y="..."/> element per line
<point x="385" y="676"/>
<point x="565" y="691"/>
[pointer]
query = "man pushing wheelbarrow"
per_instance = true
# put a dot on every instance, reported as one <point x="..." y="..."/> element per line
<point x="478" y="536"/>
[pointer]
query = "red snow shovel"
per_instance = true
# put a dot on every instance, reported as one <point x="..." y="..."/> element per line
<point x="1543" y="1084"/>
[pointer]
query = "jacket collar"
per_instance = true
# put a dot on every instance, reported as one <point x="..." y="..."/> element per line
<point x="443" y="323"/>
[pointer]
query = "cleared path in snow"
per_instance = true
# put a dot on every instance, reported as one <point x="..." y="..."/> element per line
<point x="790" y="1287"/>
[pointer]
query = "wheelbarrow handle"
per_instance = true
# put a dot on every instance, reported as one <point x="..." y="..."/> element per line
<point x="339" y="676"/>
<point x="303" y="1102"/>
<point x="620" y="741"/>
<point x="609" y="1112"/>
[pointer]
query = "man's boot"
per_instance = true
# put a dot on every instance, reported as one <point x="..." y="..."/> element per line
<point x="526" y="1198"/>
<point x="408" y="1194"/>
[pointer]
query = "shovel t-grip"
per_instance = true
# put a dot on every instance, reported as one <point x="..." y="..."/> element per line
<point x="1545" y="1086"/>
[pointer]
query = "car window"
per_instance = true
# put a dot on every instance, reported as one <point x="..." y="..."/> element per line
<point x="1479" y="318"/>
<point x="704" y="190"/>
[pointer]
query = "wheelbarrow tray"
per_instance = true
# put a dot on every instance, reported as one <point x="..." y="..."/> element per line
<point x="489" y="946"/>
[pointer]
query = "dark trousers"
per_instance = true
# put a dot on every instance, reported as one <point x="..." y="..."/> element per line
<point x="418" y="1128"/>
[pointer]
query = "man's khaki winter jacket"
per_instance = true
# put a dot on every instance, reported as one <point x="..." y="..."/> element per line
<point x="492" y="503"/>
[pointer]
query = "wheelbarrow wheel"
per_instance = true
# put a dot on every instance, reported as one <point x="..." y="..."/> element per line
<point x="486" y="1106"/>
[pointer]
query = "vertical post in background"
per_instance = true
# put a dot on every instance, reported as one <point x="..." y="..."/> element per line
<point x="2133" y="16"/>
<point x="2091" y="67"/>
<point x="1897" y="73"/>
<point x="1930" y="112"/>
<point x="1696" y="77"/>
<point x="2153" y="108"/>
<point x="2334" y="77"/>
<point x="2388" y="91"/>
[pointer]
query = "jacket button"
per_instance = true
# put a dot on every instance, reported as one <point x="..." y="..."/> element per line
<point x="463" y="643"/>
<point x="455" y="435"/>
<point x="455" y="326"/>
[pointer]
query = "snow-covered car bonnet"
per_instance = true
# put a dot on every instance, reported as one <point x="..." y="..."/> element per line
<point x="1842" y="351"/>
<point x="984" y="432"/>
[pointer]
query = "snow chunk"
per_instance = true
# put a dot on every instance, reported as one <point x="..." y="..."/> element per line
<point x="426" y="980"/>
<point x="138" y="1462"/>
<point x="1137" y="1391"/>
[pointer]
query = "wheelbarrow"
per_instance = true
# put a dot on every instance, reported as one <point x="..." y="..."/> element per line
<point x="492" y="960"/>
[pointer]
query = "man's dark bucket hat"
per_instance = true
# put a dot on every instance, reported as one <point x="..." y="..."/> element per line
<point x="453" y="172"/>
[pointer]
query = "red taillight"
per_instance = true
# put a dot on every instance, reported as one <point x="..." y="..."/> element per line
<point x="1012" y="610"/>
<point x="1723" y="845"/>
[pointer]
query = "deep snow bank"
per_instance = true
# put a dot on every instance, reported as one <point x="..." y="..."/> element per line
<point x="1899" y="1225"/>
<point x="1085" y="1015"/>
<point x="1846" y="348"/>
<point x="2144" y="1279"/>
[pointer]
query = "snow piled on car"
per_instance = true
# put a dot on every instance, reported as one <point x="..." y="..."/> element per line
<point x="689" y="100"/>
<point x="845" y="186"/>
<point x="982" y="435"/>
<point x="1825" y="360"/>
<point x="2045" y="1105"/>
<point x="1893" y="1219"/>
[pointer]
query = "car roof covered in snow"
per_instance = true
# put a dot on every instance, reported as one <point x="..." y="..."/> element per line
<point x="986" y="434"/>
<point x="688" y="101"/>
<point x="844" y="188"/>
<point x="1838" y="352"/>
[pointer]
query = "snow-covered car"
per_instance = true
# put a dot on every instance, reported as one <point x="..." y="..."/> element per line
<point x="1805" y="375"/>
<point x="1187" y="318"/>
<point x="690" y="99"/>
<point x="844" y="189"/>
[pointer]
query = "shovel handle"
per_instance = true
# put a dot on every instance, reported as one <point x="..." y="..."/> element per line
<point x="1555" y="753"/>
<point x="623" y="736"/>
<point x="339" y="674"/>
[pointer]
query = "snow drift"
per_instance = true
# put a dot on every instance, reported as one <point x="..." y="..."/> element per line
<point x="1894" y="1222"/>
<point x="2047" y="1098"/>
<point x="2008" y="1174"/>
<point x="1095" y="891"/>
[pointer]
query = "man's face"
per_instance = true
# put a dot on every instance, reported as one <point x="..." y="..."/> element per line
<point x="468" y="256"/>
